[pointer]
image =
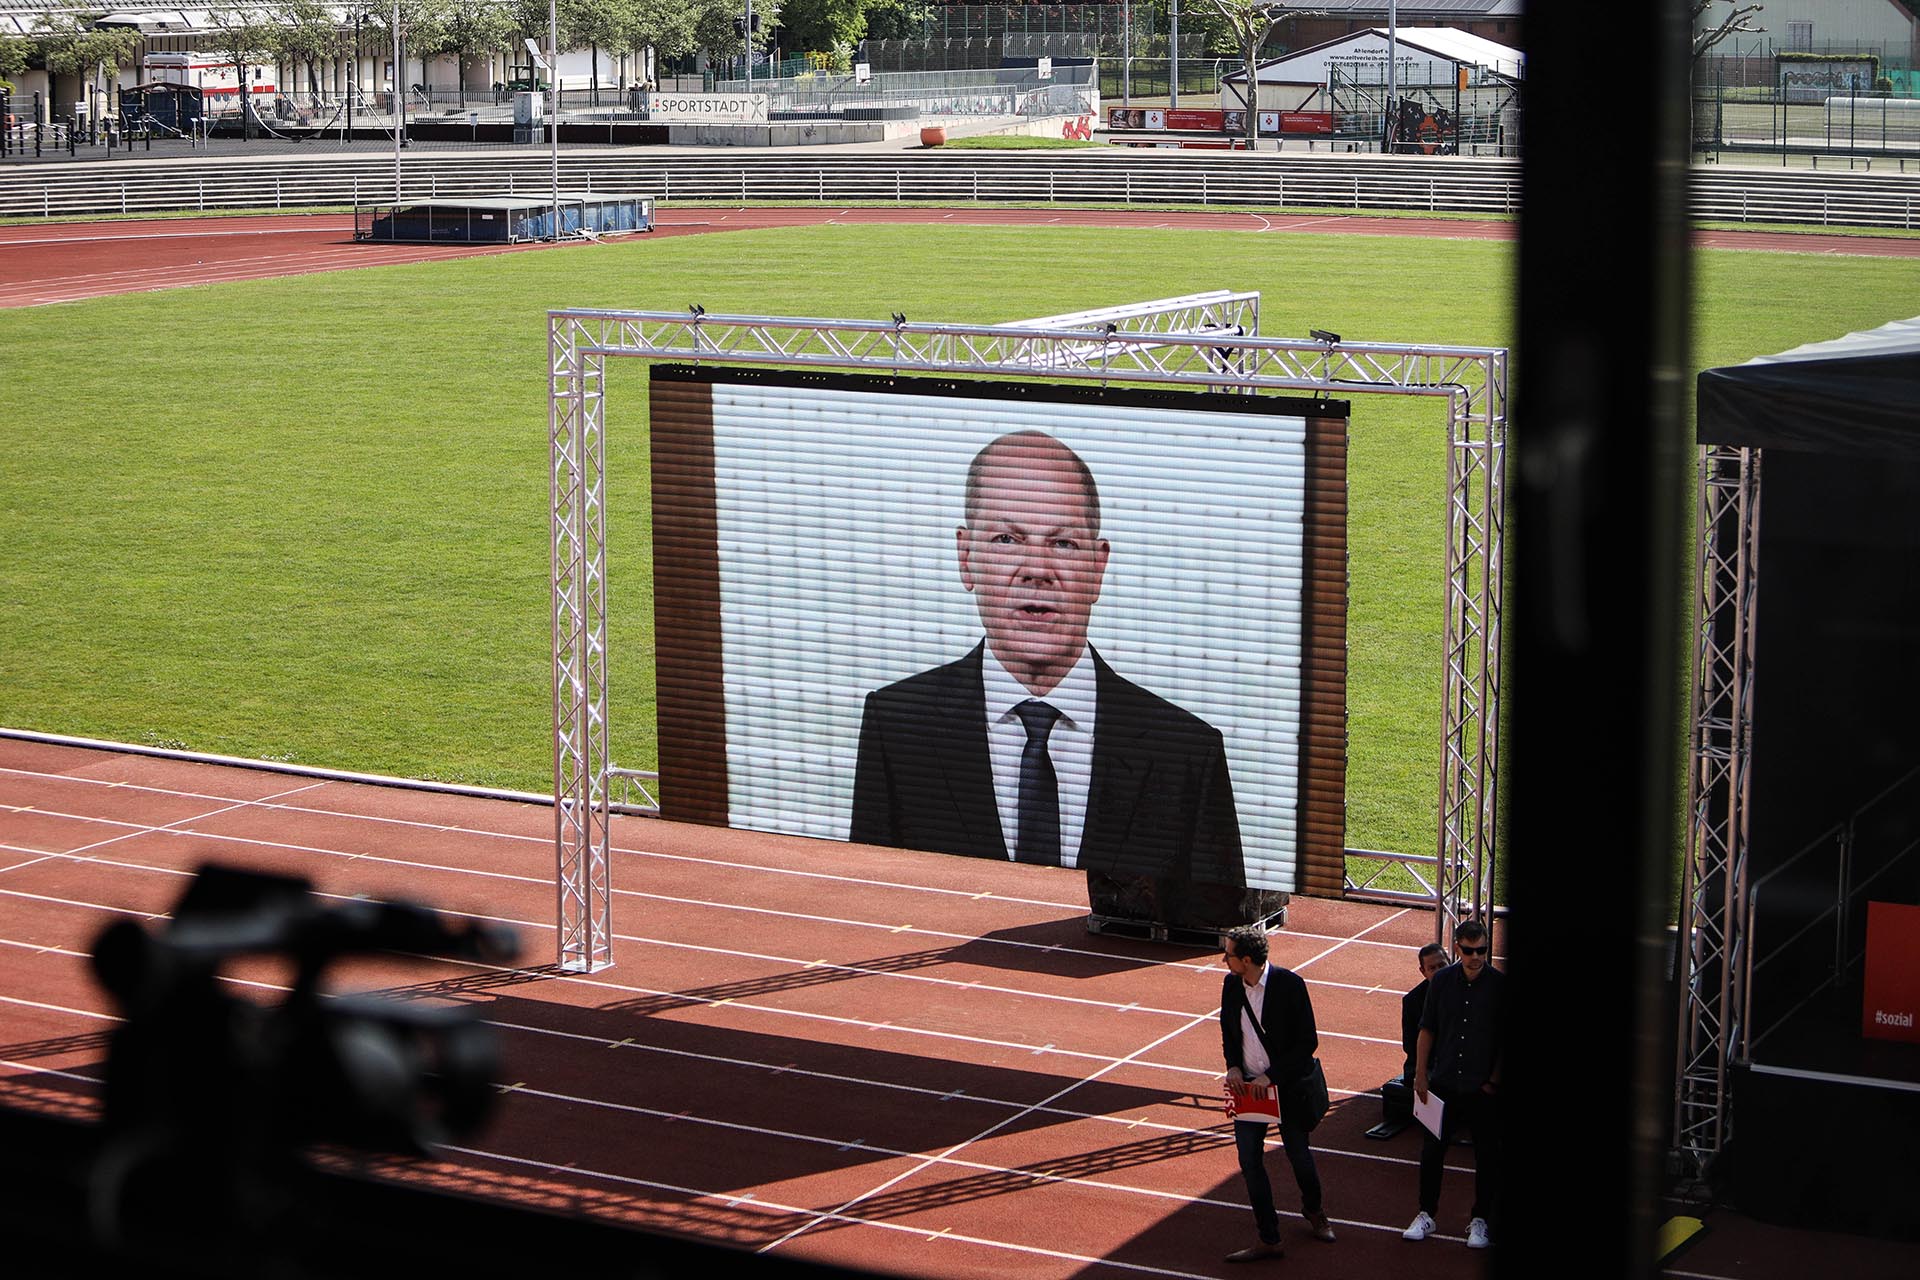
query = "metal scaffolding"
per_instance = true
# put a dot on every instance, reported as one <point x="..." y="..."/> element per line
<point x="581" y="759"/>
<point x="1712" y="947"/>
<point x="1201" y="342"/>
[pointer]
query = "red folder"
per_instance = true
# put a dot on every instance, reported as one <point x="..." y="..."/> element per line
<point x="1256" y="1103"/>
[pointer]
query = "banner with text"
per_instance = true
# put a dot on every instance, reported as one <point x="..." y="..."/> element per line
<point x="715" y="108"/>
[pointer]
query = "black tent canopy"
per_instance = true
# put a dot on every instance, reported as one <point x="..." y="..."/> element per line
<point x="1825" y="442"/>
<point x="1855" y="395"/>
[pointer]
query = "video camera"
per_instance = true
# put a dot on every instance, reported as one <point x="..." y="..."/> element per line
<point x="204" y="1080"/>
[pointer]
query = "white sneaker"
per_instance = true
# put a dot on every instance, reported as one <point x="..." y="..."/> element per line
<point x="1421" y="1228"/>
<point x="1477" y="1234"/>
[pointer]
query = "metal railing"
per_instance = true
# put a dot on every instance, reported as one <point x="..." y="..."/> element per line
<point x="1378" y="875"/>
<point x="1806" y="914"/>
<point x="1254" y="181"/>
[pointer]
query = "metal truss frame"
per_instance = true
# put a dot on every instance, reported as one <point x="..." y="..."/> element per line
<point x="1201" y="341"/>
<point x="1713" y="942"/>
<point x="581" y="759"/>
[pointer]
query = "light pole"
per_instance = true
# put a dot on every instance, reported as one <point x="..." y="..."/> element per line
<point x="353" y="73"/>
<point x="551" y="65"/>
<point x="1393" y="47"/>
<point x="1126" y="53"/>
<point x="400" y="120"/>
<point x="553" y="76"/>
<point x="1173" y="54"/>
<point x="746" y="27"/>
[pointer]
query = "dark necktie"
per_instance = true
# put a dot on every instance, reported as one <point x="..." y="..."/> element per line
<point x="1039" y="837"/>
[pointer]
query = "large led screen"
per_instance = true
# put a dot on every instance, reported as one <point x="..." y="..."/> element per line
<point x="1093" y="628"/>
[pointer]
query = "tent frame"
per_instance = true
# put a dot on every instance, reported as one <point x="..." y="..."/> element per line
<point x="1713" y="943"/>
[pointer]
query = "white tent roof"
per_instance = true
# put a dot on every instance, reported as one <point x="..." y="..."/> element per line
<point x="159" y="21"/>
<point x="1894" y="338"/>
<point x="147" y="20"/>
<point x="1418" y="44"/>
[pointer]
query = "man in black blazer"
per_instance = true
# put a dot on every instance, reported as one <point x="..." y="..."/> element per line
<point x="1030" y="747"/>
<point x="1268" y="1037"/>
<point x="1432" y="959"/>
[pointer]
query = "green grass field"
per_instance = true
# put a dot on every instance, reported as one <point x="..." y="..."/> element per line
<point x="305" y="519"/>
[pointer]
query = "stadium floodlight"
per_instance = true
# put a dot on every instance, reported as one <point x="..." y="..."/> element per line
<point x="1324" y="335"/>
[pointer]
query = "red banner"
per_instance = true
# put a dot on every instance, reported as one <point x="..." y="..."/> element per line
<point x="1200" y="121"/>
<point x="1306" y="122"/>
<point x="1162" y="118"/>
<point x="1890" y="1009"/>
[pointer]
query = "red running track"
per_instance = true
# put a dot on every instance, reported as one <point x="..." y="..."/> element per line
<point x="65" y="262"/>
<point x="963" y="1082"/>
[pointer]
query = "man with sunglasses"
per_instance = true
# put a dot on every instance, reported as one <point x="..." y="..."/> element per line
<point x="1268" y="1037"/>
<point x="1462" y="1034"/>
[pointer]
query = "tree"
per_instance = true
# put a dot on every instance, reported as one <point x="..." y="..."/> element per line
<point x="1738" y="20"/>
<point x="13" y="60"/>
<point x="470" y="27"/>
<point x="1253" y="23"/>
<point x="899" y="19"/>
<point x="595" y="23"/>
<point x="308" y="32"/>
<point x="422" y="27"/>
<point x="665" y="26"/>
<point x="245" y="37"/>
<point x="822" y="25"/>
<point x="715" y="32"/>
<point x="530" y="19"/>
<point x="67" y="46"/>
<point x="1707" y="34"/>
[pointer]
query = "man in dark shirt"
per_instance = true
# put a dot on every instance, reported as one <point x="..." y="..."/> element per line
<point x="1457" y="1058"/>
<point x="1268" y="1037"/>
<point x="1433" y="958"/>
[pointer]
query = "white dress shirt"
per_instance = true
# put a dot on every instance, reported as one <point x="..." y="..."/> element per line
<point x="1070" y="745"/>
<point x="1253" y="1054"/>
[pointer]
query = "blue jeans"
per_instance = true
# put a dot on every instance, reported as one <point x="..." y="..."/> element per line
<point x="1250" y="1137"/>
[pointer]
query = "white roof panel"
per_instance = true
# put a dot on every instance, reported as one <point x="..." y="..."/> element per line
<point x="1419" y="44"/>
<point x="1889" y="339"/>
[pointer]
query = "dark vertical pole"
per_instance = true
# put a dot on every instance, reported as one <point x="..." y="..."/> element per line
<point x="1601" y="475"/>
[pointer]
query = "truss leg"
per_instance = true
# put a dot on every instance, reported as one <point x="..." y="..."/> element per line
<point x="1469" y="734"/>
<point x="1712" y="947"/>
<point x="580" y="745"/>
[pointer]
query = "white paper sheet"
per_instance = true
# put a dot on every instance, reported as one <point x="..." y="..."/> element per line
<point x="1428" y="1113"/>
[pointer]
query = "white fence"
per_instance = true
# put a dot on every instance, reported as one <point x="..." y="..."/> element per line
<point x="1406" y="183"/>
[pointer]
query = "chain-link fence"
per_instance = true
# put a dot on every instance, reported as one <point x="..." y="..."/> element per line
<point x="1150" y="80"/>
<point x="1779" y="119"/>
<point x="988" y="21"/>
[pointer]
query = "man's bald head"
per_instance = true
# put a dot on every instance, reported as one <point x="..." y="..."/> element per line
<point x="1030" y="453"/>
<point x="1031" y="553"/>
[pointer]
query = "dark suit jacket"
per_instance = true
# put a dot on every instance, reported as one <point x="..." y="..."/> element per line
<point x="1159" y="802"/>
<point x="1412" y="1005"/>
<point x="1291" y="1039"/>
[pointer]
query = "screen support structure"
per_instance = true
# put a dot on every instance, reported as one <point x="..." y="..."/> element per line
<point x="1714" y="960"/>
<point x="1213" y="347"/>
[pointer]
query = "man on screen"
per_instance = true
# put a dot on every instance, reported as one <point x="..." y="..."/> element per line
<point x="1031" y="748"/>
